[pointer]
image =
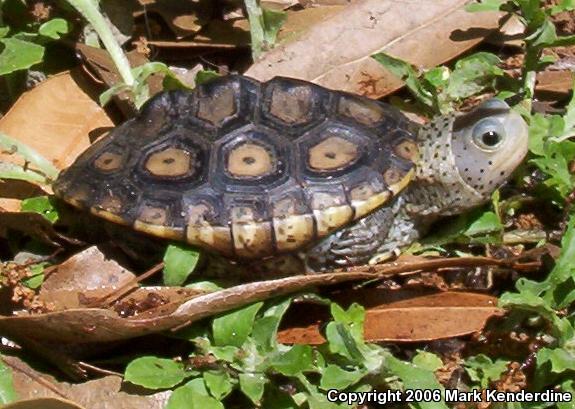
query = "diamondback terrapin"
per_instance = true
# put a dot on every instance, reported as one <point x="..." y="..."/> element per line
<point x="251" y="170"/>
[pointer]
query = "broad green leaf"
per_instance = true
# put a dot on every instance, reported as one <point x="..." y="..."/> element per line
<point x="37" y="277"/>
<point x="193" y="395"/>
<point x="298" y="359"/>
<point x="227" y="353"/>
<point x="353" y="317"/>
<point x="560" y="359"/>
<point x="19" y="55"/>
<point x="219" y="383"/>
<point x="414" y="377"/>
<point x="4" y="31"/>
<point x="427" y="360"/>
<point x="341" y="342"/>
<point x="204" y="76"/>
<point x="54" y="28"/>
<point x="234" y="328"/>
<point x="334" y="377"/>
<point x="488" y="222"/>
<point x="473" y="74"/>
<point x="252" y="385"/>
<point x="155" y="373"/>
<point x="7" y="391"/>
<point x="41" y="204"/>
<point x="482" y="370"/>
<point x="179" y="262"/>
<point x="266" y="327"/>
<point x="406" y="72"/>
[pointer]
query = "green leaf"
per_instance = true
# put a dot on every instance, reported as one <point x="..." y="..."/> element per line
<point x="341" y="342"/>
<point x="353" y="317"/>
<point x="4" y="31"/>
<point x="482" y="370"/>
<point x="154" y="373"/>
<point x="414" y="377"/>
<point x="179" y="262"/>
<point x="204" y="76"/>
<point x="225" y="353"/>
<point x="193" y="395"/>
<point x="297" y="359"/>
<point x="488" y="222"/>
<point x="561" y="360"/>
<point x="485" y="5"/>
<point x="54" y="28"/>
<point x="234" y="328"/>
<point x="406" y="72"/>
<point x="7" y="391"/>
<point x="272" y="22"/>
<point x="473" y="74"/>
<point x="219" y="383"/>
<point x="19" y="55"/>
<point x="37" y="277"/>
<point x="266" y="327"/>
<point x="252" y="385"/>
<point x="427" y="360"/>
<point x="334" y="377"/>
<point x="41" y="204"/>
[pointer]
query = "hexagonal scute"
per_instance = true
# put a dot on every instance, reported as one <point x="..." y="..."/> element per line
<point x="332" y="151"/>
<point x="251" y="159"/>
<point x="291" y="104"/>
<point x="177" y="160"/>
<point x="361" y="110"/>
<point x="224" y="100"/>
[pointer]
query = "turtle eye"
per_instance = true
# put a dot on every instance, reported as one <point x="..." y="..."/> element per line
<point x="488" y="134"/>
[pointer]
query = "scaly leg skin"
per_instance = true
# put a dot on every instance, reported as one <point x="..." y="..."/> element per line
<point x="352" y="245"/>
<point x="373" y="238"/>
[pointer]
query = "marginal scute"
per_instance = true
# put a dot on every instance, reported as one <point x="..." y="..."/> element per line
<point x="202" y="232"/>
<point x="108" y="161"/>
<point x="292" y="105"/>
<point x="250" y="160"/>
<point x="332" y="153"/>
<point x="153" y="215"/>
<point x="170" y="162"/>
<point x="292" y="232"/>
<point x="251" y="237"/>
<point x="216" y="108"/>
<point x="364" y="111"/>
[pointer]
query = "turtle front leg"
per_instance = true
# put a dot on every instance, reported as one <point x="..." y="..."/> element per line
<point x="352" y="245"/>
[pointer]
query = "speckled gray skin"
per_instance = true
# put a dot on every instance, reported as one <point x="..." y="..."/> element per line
<point x="463" y="159"/>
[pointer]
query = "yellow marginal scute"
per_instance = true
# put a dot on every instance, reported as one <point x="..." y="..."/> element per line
<point x="293" y="232"/>
<point x="402" y="183"/>
<point x="107" y="215"/>
<point x="332" y="218"/>
<point x="159" y="231"/>
<point x="363" y="207"/>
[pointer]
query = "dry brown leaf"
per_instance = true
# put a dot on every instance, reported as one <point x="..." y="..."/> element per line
<point x="32" y="224"/>
<point x="405" y="316"/>
<point x="336" y="52"/>
<point x="554" y="83"/>
<point x="103" y="393"/>
<point x="56" y="118"/>
<point x="43" y="403"/>
<point x="183" y="17"/>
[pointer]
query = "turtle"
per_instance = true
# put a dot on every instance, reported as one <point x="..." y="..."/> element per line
<point x="252" y="170"/>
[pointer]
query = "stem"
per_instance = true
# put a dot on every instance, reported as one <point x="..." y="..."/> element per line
<point x="532" y="55"/>
<point x="89" y="10"/>
<point x="13" y="146"/>
<point x="255" y="17"/>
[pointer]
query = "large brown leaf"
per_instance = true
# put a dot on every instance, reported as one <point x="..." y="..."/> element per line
<point x="405" y="316"/>
<point x="337" y="52"/>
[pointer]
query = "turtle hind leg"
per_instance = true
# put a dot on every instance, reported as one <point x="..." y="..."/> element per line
<point x="352" y="245"/>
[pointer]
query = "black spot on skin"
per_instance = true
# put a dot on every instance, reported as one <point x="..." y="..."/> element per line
<point x="502" y="173"/>
<point x="248" y="160"/>
<point x="444" y="158"/>
<point x="466" y="169"/>
<point x="481" y="170"/>
<point x="490" y="162"/>
<point x="469" y="178"/>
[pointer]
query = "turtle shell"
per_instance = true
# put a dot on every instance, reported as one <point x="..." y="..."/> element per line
<point x="244" y="168"/>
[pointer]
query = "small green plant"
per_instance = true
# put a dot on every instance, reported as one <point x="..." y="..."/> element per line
<point x="264" y="26"/>
<point x="239" y="354"/>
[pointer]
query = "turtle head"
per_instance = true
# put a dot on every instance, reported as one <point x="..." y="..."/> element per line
<point x="465" y="158"/>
